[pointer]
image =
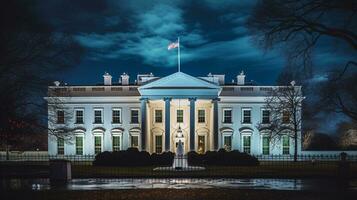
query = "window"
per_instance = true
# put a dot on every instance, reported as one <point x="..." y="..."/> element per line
<point x="60" y="117"/>
<point x="179" y="116"/>
<point x="201" y="116"/>
<point x="98" y="116"/>
<point x="79" y="117"/>
<point x="134" y="116"/>
<point x="286" y="117"/>
<point x="158" y="144"/>
<point x="201" y="144"/>
<point x="246" y="116"/>
<point x="158" y="116"/>
<point x="265" y="145"/>
<point x="60" y="146"/>
<point x="135" y="141"/>
<point x="116" y="143"/>
<point x="246" y="143"/>
<point x="286" y="145"/>
<point x="97" y="144"/>
<point x="116" y="116"/>
<point x="227" y="142"/>
<point x="265" y="116"/>
<point x="227" y="116"/>
<point x="79" y="145"/>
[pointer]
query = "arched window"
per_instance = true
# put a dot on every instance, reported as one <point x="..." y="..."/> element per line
<point x="117" y="135"/>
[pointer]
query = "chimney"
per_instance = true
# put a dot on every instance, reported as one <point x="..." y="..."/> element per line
<point x="107" y="79"/>
<point x="241" y="79"/>
<point x="124" y="79"/>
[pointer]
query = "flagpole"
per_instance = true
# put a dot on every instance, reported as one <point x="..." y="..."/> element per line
<point x="178" y="54"/>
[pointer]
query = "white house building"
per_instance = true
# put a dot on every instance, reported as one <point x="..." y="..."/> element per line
<point x="154" y="113"/>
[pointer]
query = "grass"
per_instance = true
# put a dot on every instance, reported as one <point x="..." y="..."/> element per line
<point x="264" y="170"/>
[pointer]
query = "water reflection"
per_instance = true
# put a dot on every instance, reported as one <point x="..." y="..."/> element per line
<point x="174" y="183"/>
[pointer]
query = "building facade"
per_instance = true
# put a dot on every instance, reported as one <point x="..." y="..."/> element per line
<point x="153" y="114"/>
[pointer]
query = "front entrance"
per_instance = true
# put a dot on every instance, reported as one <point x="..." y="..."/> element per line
<point x="201" y="144"/>
<point x="179" y="137"/>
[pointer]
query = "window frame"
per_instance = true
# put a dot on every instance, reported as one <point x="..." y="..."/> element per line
<point x="76" y="116"/>
<point x="114" y="147"/>
<point x="283" y="117"/>
<point x="250" y="116"/>
<point x="120" y="115"/>
<point x="76" y="145"/>
<point x="131" y="141"/>
<point x="156" y="144"/>
<point x="156" y="116"/>
<point x="200" y="117"/>
<point x="101" y="115"/>
<point x="283" y="147"/>
<point x="101" y="143"/>
<point x="263" y="147"/>
<point x="262" y="116"/>
<point x="58" y="146"/>
<point x="62" y="121"/>
<point x="131" y="115"/>
<point x="250" y="143"/>
<point x="177" y="116"/>
<point x="224" y="142"/>
<point x="224" y="116"/>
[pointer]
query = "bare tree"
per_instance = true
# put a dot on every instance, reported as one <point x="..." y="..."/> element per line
<point x="31" y="53"/>
<point x="284" y="104"/>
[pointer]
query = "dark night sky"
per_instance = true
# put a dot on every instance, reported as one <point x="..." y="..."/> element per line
<point x="132" y="36"/>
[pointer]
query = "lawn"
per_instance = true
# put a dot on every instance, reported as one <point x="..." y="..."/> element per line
<point x="264" y="170"/>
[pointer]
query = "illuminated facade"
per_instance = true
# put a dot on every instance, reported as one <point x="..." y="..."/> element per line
<point x="153" y="114"/>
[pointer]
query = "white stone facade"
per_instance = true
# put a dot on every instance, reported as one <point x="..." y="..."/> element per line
<point x="118" y="116"/>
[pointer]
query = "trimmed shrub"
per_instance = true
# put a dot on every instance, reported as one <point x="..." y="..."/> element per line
<point x="133" y="157"/>
<point x="221" y="158"/>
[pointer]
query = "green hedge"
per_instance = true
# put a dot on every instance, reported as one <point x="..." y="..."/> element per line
<point x="133" y="157"/>
<point x="221" y="158"/>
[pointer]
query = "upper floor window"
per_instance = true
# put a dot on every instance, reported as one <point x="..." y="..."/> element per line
<point x="201" y="116"/>
<point x="227" y="116"/>
<point x="116" y="116"/>
<point x="179" y="116"/>
<point x="60" y="117"/>
<point x="60" y="146"/>
<point x="79" y="117"/>
<point x="265" y="116"/>
<point x="158" y="116"/>
<point x="134" y="116"/>
<point x="286" y="117"/>
<point x="98" y="116"/>
<point x="247" y="116"/>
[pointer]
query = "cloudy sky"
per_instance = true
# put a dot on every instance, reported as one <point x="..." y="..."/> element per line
<point x="132" y="36"/>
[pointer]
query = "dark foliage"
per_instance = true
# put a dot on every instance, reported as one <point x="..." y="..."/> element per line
<point x="221" y="158"/>
<point x="322" y="141"/>
<point x="133" y="157"/>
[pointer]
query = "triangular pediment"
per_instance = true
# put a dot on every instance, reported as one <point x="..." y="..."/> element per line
<point x="179" y="80"/>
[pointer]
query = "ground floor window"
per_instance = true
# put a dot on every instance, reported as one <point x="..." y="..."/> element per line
<point x="227" y="142"/>
<point x="60" y="146"/>
<point x="286" y="145"/>
<point x="97" y="144"/>
<point x="201" y="144"/>
<point x="158" y="143"/>
<point x="265" y="144"/>
<point x="246" y="143"/>
<point x="116" y="143"/>
<point x="79" y="145"/>
<point x="135" y="141"/>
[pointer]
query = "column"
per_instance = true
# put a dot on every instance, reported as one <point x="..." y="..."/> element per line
<point x="192" y="123"/>
<point x="215" y="123"/>
<point x="167" y="123"/>
<point x="143" y="102"/>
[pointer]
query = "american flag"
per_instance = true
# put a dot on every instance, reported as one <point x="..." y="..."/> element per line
<point x="173" y="45"/>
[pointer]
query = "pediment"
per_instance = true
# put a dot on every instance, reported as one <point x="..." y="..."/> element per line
<point x="179" y="80"/>
<point x="180" y="85"/>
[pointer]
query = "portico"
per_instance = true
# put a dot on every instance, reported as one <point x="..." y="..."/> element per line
<point x="179" y="107"/>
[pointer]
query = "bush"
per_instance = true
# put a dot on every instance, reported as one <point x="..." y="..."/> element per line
<point x="221" y="158"/>
<point x="133" y="157"/>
